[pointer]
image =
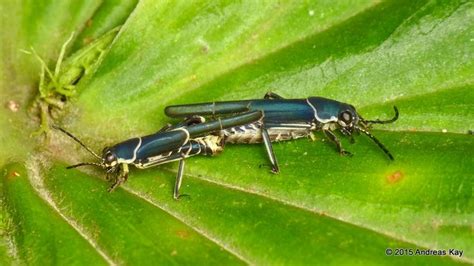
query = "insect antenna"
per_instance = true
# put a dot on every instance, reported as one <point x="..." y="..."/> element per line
<point x="78" y="141"/>
<point x="378" y="121"/>
<point x="376" y="141"/>
<point x="82" y="164"/>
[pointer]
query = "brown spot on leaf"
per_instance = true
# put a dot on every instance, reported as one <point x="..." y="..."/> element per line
<point x="182" y="234"/>
<point x="13" y="174"/>
<point x="395" y="177"/>
<point x="87" y="40"/>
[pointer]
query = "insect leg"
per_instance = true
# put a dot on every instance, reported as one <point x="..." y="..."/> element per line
<point x="179" y="179"/>
<point x="188" y="121"/>
<point x="192" y="120"/>
<point x="61" y="55"/>
<point x="271" y="95"/>
<point x="352" y="139"/>
<point x="269" y="149"/>
<point x="346" y="132"/>
<point x="121" y="178"/>
<point x="330" y="135"/>
<point x="165" y="128"/>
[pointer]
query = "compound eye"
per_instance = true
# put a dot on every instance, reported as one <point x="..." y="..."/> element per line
<point x="346" y="117"/>
<point x="109" y="157"/>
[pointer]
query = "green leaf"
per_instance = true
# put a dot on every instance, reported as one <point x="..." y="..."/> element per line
<point x="322" y="208"/>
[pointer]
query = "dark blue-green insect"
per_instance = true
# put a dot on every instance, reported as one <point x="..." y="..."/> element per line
<point x="286" y="119"/>
<point x="172" y="143"/>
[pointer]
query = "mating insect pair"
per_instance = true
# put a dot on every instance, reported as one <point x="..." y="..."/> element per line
<point x="250" y="121"/>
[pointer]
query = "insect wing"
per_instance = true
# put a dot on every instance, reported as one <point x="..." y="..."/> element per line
<point x="219" y="124"/>
<point x="210" y="108"/>
<point x="274" y="110"/>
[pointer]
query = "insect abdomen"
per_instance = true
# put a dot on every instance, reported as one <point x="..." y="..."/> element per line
<point x="252" y="133"/>
<point x="209" y="145"/>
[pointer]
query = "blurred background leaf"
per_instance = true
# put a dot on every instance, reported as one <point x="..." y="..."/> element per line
<point x="321" y="208"/>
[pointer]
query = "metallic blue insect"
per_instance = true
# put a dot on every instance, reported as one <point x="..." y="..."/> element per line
<point x="172" y="143"/>
<point x="286" y="119"/>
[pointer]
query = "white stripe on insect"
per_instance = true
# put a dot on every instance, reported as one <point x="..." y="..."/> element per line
<point x="332" y="119"/>
<point x="129" y="161"/>
<point x="186" y="132"/>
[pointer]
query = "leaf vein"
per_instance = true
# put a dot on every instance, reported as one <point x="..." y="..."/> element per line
<point x="182" y="220"/>
<point x="37" y="183"/>
<point x="318" y="212"/>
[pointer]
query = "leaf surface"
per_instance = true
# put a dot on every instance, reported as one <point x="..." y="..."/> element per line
<point x="322" y="208"/>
